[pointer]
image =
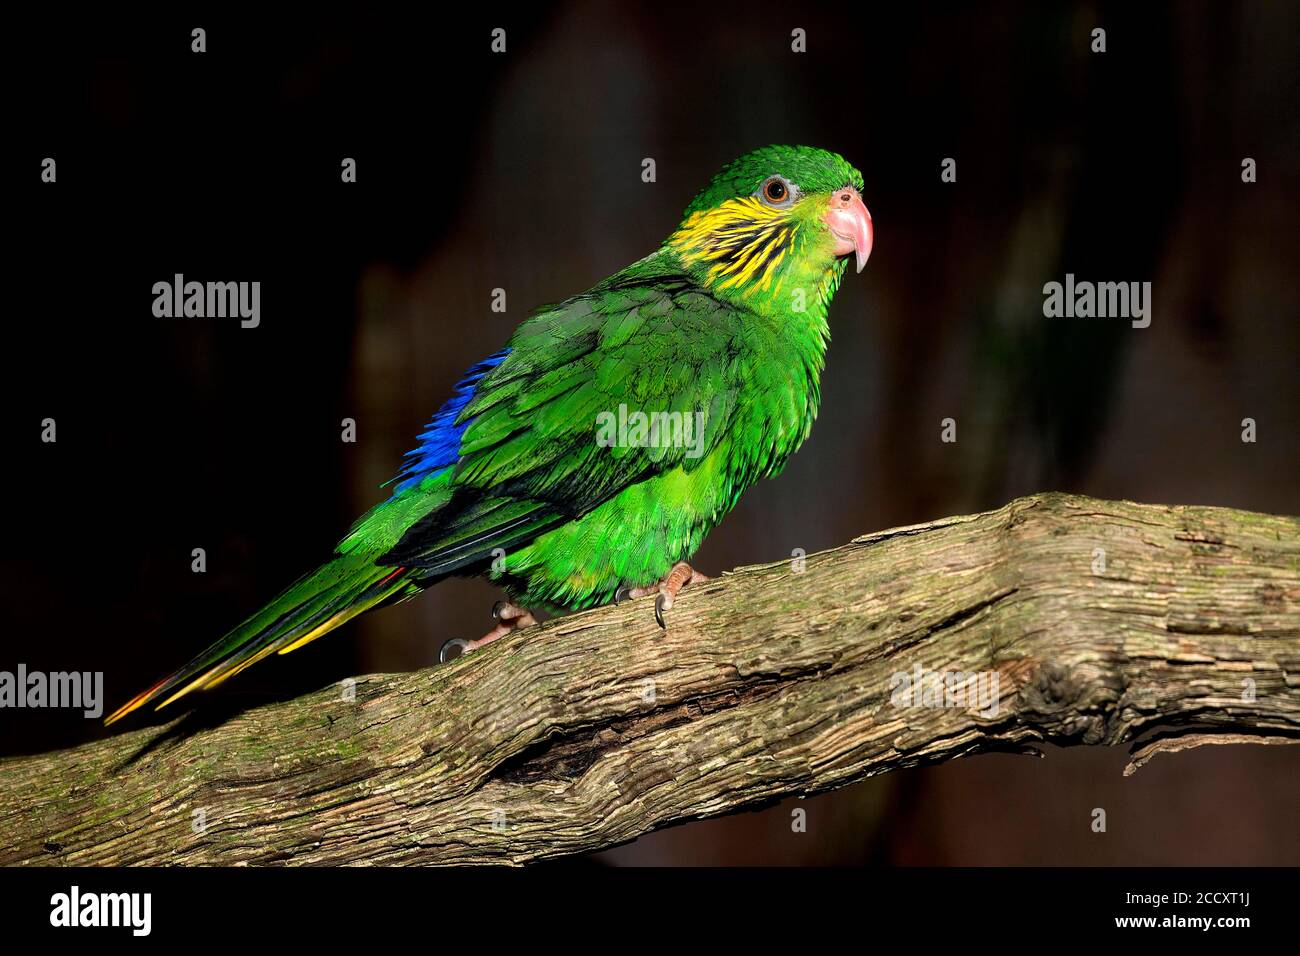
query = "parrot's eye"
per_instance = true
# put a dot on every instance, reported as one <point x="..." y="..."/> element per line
<point x="776" y="192"/>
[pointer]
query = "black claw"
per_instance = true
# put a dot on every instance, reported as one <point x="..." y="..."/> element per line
<point x="459" y="645"/>
<point x="622" y="594"/>
<point x="659" y="612"/>
<point x="496" y="610"/>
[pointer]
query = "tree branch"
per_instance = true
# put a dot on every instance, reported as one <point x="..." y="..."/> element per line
<point x="1073" y="621"/>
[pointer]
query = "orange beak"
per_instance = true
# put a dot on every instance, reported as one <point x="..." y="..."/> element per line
<point x="850" y="224"/>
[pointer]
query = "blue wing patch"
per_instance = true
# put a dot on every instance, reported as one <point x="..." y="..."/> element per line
<point x="440" y="441"/>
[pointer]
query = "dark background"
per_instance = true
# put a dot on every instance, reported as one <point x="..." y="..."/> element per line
<point x="523" y="171"/>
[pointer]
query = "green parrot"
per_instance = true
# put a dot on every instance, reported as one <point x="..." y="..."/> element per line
<point x="586" y="461"/>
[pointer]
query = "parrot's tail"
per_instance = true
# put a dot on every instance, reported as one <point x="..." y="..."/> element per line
<point x="312" y="606"/>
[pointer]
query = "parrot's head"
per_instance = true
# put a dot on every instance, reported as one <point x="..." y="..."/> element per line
<point x="775" y="228"/>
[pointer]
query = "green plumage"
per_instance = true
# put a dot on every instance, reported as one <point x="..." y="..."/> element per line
<point x="724" y="326"/>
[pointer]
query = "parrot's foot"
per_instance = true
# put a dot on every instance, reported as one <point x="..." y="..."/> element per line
<point x="681" y="575"/>
<point x="509" y="618"/>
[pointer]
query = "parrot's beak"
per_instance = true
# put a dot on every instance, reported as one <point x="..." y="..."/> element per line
<point x="850" y="224"/>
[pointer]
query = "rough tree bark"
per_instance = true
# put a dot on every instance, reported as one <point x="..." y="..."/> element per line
<point x="1105" y="622"/>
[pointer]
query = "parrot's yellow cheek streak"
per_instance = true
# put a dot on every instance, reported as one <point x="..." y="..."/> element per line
<point x="751" y="252"/>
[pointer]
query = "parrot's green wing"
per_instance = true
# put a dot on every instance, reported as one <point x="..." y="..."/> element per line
<point x="531" y="456"/>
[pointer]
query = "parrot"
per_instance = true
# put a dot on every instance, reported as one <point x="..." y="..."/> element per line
<point x="585" y="462"/>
